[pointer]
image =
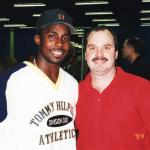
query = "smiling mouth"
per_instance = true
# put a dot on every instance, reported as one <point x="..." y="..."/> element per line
<point x="57" y="53"/>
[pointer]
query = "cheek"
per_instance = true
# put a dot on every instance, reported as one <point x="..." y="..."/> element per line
<point x="66" y="46"/>
<point x="89" y="55"/>
<point x="123" y="51"/>
<point x="126" y="51"/>
<point x="46" y="44"/>
<point x="111" y="56"/>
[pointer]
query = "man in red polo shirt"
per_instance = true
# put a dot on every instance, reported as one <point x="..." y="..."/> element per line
<point x="114" y="106"/>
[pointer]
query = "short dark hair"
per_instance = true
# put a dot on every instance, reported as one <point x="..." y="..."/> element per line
<point x="102" y="28"/>
<point x="137" y="44"/>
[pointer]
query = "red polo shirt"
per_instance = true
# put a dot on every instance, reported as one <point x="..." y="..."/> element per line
<point x="116" y="119"/>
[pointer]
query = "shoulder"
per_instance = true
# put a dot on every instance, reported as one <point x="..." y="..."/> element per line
<point x="4" y="77"/>
<point x="68" y="77"/>
<point x="131" y="80"/>
<point x="85" y="84"/>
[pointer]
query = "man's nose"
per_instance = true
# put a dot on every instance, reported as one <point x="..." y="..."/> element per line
<point x="59" y="42"/>
<point x="100" y="52"/>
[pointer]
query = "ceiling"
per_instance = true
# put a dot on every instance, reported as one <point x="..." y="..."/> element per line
<point x="126" y="12"/>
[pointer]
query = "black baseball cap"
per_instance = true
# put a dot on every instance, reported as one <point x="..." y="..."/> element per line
<point x="54" y="16"/>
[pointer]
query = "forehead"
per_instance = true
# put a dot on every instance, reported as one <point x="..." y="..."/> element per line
<point x="58" y="28"/>
<point x="100" y="36"/>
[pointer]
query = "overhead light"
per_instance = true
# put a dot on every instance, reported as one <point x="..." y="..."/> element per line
<point x="145" y="11"/>
<point x="80" y="36"/>
<point x="76" y="45"/>
<point x="145" y="1"/>
<point x="80" y="30"/>
<point x="4" y="19"/>
<point x="25" y="27"/>
<point x="36" y="15"/>
<point x="144" y="19"/>
<point x="99" y="20"/>
<point x="99" y="13"/>
<point x="92" y="3"/>
<point x="109" y="24"/>
<point x="145" y="24"/>
<point x="30" y="5"/>
<point x="14" y="25"/>
<point x="79" y="33"/>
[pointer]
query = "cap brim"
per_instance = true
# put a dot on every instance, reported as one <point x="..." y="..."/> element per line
<point x="72" y="29"/>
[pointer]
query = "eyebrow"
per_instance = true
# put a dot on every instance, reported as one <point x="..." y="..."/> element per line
<point x="108" y="43"/>
<point x="89" y="45"/>
<point x="65" y="34"/>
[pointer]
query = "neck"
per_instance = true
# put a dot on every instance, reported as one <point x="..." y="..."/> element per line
<point x="101" y="82"/>
<point x="51" y="70"/>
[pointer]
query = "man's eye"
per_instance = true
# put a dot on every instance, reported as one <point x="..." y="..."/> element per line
<point x="92" y="48"/>
<point x="52" y="36"/>
<point x="67" y="38"/>
<point x="107" y="47"/>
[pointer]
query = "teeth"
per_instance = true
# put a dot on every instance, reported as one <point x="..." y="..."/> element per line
<point x="57" y="53"/>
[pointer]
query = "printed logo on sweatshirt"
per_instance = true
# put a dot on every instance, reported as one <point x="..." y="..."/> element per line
<point x="57" y="136"/>
<point x="58" y="121"/>
<point x="139" y="136"/>
<point x="54" y="115"/>
<point x="55" y="120"/>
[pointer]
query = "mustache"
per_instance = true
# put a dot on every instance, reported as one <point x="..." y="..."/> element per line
<point x="100" y="58"/>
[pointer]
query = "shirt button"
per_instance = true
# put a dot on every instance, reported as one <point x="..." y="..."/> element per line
<point x="98" y="99"/>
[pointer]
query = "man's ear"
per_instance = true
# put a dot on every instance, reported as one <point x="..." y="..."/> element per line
<point x="132" y="50"/>
<point x="37" y="39"/>
<point x="116" y="54"/>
